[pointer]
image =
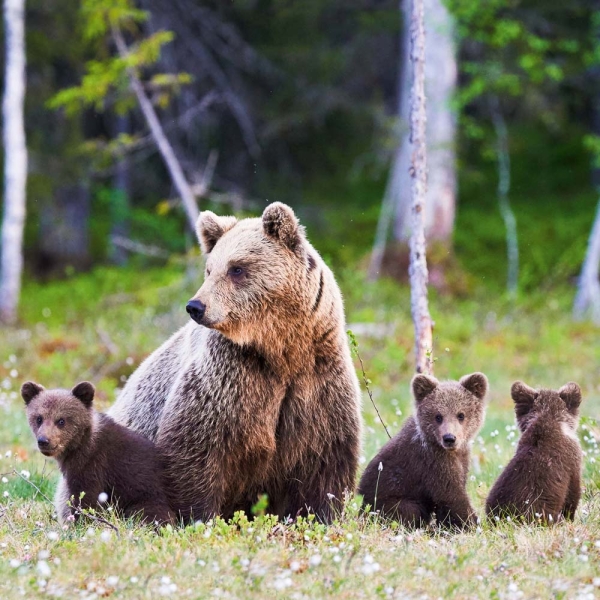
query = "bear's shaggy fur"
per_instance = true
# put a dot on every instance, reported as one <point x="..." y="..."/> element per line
<point x="259" y="395"/>
<point x="423" y="469"/>
<point x="543" y="480"/>
<point x="95" y="455"/>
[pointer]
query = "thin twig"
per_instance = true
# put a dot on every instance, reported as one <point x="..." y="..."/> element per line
<point x="82" y="513"/>
<point x="32" y="485"/>
<point x="354" y="346"/>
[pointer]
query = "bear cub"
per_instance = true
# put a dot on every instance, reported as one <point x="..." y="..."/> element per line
<point x="423" y="470"/>
<point x="109" y="463"/>
<point x="543" y="480"/>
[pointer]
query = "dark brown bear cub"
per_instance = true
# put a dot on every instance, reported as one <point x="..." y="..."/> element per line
<point x="423" y="470"/>
<point x="543" y="480"/>
<point x="105" y="461"/>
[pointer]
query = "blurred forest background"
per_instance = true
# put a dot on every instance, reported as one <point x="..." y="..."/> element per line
<point x="302" y="102"/>
<point x="138" y="115"/>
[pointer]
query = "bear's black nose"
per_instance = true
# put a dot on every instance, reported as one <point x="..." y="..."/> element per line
<point x="195" y="309"/>
<point x="43" y="441"/>
<point x="449" y="440"/>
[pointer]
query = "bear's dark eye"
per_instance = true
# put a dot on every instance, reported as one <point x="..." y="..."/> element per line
<point x="461" y="417"/>
<point x="39" y="420"/>
<point x="60" y="422"/>
<point x="439" y="418"/>
<point x="235" y="272"/>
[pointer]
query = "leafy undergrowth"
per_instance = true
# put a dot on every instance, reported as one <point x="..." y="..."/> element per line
<point x="101" y="325"/>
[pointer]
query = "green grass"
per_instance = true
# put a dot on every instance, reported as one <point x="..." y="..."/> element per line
<point x="99" y="326"/>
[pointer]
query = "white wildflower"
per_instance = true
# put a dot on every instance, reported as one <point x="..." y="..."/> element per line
<point x="43" y="568"/>
<point x="295" y="566"/>
<point x="14" y="563"/>
<point x="112" y="580"/>
<point x="102" y="497"/>
<point x="315" y="560"/>
<point x="26" y="473"/>
<point x="105" y="535"/>
<point x="52" y="536"/>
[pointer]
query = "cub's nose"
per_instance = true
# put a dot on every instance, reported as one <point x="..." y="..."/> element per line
<point x="43" y="442"/>
<point x="449" y="440"/>
<point x="195" y="309"/>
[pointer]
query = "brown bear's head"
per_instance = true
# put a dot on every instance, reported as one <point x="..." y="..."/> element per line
<point x="260" y="273"/>
<point x="450" y="413"/>
<point x="59" y="419"/>
<point x="559" y="406"/>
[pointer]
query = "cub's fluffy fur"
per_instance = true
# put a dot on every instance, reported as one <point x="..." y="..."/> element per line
<point x="95" y="455"/>
<point x="423" y="470"/>
<point x="543" y="480"/>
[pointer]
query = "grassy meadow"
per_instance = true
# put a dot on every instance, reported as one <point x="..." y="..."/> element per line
<point x="100" y="325"/>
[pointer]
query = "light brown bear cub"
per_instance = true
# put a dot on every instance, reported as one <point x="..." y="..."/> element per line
<point x="543" y="480"/>
<point x="423" y="470"/>
<point x="96" y="455"/>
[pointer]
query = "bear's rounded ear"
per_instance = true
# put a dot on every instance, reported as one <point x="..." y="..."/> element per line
<point x="30" y="389"/>
<point x="476" y="383"/>
<point x="571" y="394"/>
<point x="84" y="391"/>
<point x="210" y="228"/>
<point x="422" y="386"/>
<point x="523" y="397"/>
<point x="281" y="224"/>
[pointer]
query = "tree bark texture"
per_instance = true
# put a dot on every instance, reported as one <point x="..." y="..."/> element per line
<point x="418" y="171"/>
<point x="15" y="160"/>
<point x="440" y="85"/>
<point x="587" y="298"/>
<point x="161" y="140"/>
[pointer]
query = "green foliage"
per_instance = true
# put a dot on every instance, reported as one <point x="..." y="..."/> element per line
<point x="102" y="19"/>
<point x="510" y="55"/>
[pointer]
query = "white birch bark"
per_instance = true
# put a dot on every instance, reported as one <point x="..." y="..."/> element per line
<point x="418" y="172"/>
<point x="440" y="86"/>
<point x="161" y="140"/>
<point x="15" y="160"/>
<point x="587" y="299"/>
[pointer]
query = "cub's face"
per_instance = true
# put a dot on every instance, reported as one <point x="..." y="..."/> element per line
<point x="558" y="405"/>
<point x="58" y="418"/>
<point x="253" y="267"/>
<point x="451" y="413"/>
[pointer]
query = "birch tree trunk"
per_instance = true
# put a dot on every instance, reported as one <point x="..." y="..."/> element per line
<point x="418" y="172"/>
<point x="160" y="138"/>
<point x="587" y="298"/>
<point x="15" y="160"/>
<point x="440" y="86"/>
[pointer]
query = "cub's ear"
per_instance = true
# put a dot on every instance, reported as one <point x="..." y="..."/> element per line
<point x="84" y="391"/>
<point x="423" y="385"/>
<point x="281" y="224"/>
<point x="30" y="389"/>
<point x="523" y="397"/>
<point x="571" y="394"/>
<point x="476" y="383"/>
<point x="210" y="228"/>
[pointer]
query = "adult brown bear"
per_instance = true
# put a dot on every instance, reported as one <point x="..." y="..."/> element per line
<point x="257" y="395"/>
